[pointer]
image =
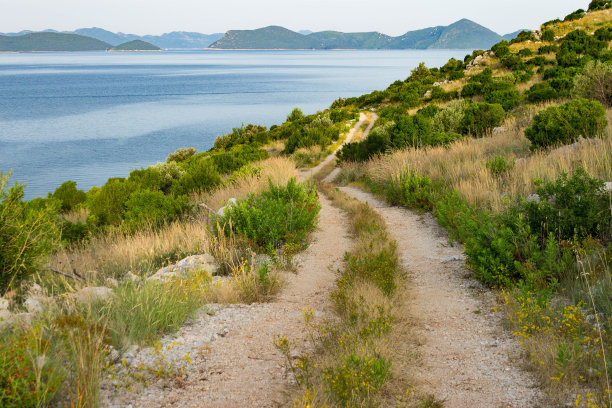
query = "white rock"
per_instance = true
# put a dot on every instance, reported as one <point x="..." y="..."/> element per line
<point x="533" y="198"/>
<point x="131" y="277"/>
<point x="4" y="304"/>
<point x="184" y="267"/>
<point x="230" y="203"/>
<point x="35" y="289"/>
<point x="112" y="282"/>
<point x="608" y="186"/>
<point x="499" y="130"/>
<point x="6" y="318"/>
<point x="23" y="318"/>
<point x="93" y="294"/>
<point x="34" y="305"/>
<point x="427" y="94"/>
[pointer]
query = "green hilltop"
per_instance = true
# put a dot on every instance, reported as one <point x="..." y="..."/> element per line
<point x="49" y="41"/>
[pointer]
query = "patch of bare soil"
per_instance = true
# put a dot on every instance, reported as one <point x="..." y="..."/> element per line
<point x="468" y="360"/>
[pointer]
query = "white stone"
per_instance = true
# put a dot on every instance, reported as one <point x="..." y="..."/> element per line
<point x="427" y="94"/>
<point x="533" y="198"/>
<point x="34" y="305"/>
<point x="93" y="294"/>
<point x="6" y="318"/>
<point x="35" y="289"/>
<point x="230" y="203"/>
<point x="112" y="282"/>
<point x="4" y="304"/>
<point x="184" y="267"/>
<point x="131" y="277"/>
<point x="608" y="186"/>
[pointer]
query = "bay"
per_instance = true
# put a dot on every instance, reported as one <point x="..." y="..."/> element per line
<point x="90" y="116"/>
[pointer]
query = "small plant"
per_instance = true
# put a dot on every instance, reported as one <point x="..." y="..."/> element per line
<point x="356" y="377"/>
<point x="498" y="165"/>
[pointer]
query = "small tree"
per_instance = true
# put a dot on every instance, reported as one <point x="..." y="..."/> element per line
<point x="600" y="5"/>
<point x="296" y="114"/>
<point x="595" y="82"/>
<point x="480" y="118"/>
<point x="27" y="234"/>
<point x="69" y="195"/>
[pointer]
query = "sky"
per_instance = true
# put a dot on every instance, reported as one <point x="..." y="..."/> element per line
<point x="392" y="17"/>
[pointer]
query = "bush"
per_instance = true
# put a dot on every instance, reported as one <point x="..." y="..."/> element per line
<point x="525" y="52"/>
<point x="501" y="49"/>
<point x="578" y="43"/>
<point x="29" y="375"/>
<point x="284" y="214"/>
<point x="68" y="195"/>
<point x="548" y="35"/>
<point x="150" y="179"/>
<point x="181" y="154"/>
<point x="559" y="125"/>
<point x="595" y="82"/>
<point x="576" y="15"/>
<point x="498" y="165"/>
<point x="522" y="37"/>
<point x="600" y="5"/>
<point x="107" y="206"/>
<point x="571" y="208"/>
<point x="541" y="92"/>
<point x="152" y="208"/>
<point x="480" y="118"/>
<point x="547" y="49"/>
<point x="449" y="118"/>
<point x="508" y="99"/>
<point x="604" y="34"/>
<point x="27" y="235"/>
<point x="200" y="175"/>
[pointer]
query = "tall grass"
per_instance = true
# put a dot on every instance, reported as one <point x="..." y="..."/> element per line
<point x="463" y="165"/>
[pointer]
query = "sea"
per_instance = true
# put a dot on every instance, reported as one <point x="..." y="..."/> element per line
<point x="94" y="115"/>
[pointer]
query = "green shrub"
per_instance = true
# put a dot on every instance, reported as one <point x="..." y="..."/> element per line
<point x="27" y="235"/>
<point x="499" y="165"/>
<point x="571" y="208"/>
<point x="576" y="15"/>
<point x="576" y="44"/>
<point x="525" y="52"/>
<point x="604" y="34"/>
<point x="295" y="115"/>
<point x="547" y="49"/>
<point x="181" y="154"/>
<point x="356" y="377"/>
<point x="548" y="35"/>
<point x="29" y="375"/>
<point x="150" y="179"/>
<point x="501" y="49"/>
<point x="107" y="206"/>
<point x="449" y="118"/>
<point x="239" y="155"/>
<point x="522" y="37"/>
<point x="595" y="82"/>
<point x="200" y="175"/>
<point x="284" y="214"/>
<point x="508" y="99"/>
<point x="541" y="92"/>
<point x="600" y="5"/>
<point x="152" y="208"/>
<point x="560" y="125"/>
<point x="68" y="195"/>
<point x="480" y="118"/>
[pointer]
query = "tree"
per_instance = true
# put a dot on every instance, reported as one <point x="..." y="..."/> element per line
<point x="295" y="115"/>
<point x="27" y="234"/>
<point x="600" y="5"/>
<point x="595" y="82"/>
<point x="68" y="195"/>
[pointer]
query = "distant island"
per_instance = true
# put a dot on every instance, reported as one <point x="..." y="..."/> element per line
<point x="136" y="45"/>
<point x="49" y="41"/>
<point x="461" y="34"/>
<point x="173" y="40"/>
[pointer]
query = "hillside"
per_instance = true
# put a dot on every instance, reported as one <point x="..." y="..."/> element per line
<point x="136" y="45"/>
<point x="50" y="41"/>
<point x="461" y="34"/>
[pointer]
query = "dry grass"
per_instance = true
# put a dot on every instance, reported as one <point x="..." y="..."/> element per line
<point x="590" y="22"/>
<point x="462" y="166"/>
<point x="278" y="170"/>
<point x="116" y="253"/>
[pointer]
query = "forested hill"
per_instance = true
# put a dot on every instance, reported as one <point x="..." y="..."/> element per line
<point x="136" y="45"/>
<point x="49" y="41"/>
<point x="461" y="34"/>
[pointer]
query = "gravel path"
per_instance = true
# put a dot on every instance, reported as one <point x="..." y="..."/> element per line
<point x="466" y="354"/>
<point x="233" y="359"/>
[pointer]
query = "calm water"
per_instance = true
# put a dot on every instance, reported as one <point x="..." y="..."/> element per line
<point x="90" y="116"/>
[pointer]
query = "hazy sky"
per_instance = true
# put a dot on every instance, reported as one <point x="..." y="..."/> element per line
<point x="392" y="17"/>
